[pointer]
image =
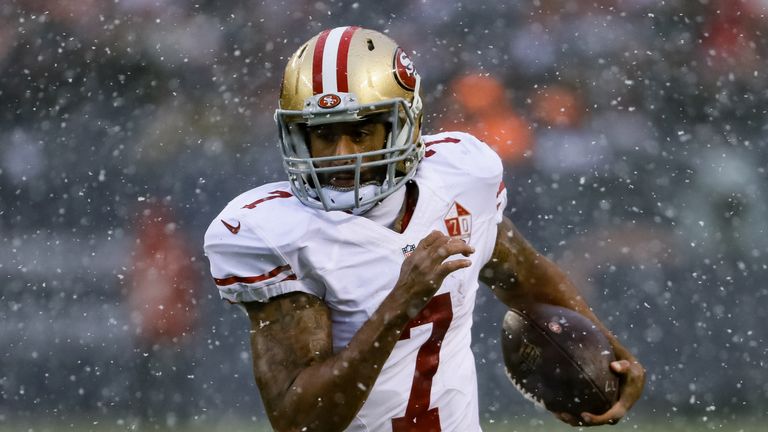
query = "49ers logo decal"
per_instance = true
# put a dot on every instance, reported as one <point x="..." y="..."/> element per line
<point x="458" y="222"/>
<point x="405" y="72"/>
<point x="329" y="101"/>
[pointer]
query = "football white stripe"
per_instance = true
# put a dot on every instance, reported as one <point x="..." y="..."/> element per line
<point x="330" y="54"/>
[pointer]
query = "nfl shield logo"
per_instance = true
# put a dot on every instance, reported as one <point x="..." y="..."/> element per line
<point x="458" y="222"/>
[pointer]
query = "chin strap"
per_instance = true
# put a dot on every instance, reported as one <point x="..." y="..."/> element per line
<point x="347" y="198"/>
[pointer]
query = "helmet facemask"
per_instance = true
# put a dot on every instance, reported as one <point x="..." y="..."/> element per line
<point x="397" y="159"/>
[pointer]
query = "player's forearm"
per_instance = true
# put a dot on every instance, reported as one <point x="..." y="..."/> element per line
<point x="548" y="283"/>
<point x="535" y="279"/>
<point x="518" y="274"/>
<point x="327" y="395"/>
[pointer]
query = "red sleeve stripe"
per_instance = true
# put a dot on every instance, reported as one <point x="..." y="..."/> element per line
<point x="502" y="186"/>
<point x="277" y="271"/>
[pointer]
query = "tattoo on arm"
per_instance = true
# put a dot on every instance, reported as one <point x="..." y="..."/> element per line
<point x="305" y="385"/>
<point x="513" y="262"/>
<point x="288" y="334"/>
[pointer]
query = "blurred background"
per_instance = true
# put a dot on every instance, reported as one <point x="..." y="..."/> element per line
<point x="634" y="138"/>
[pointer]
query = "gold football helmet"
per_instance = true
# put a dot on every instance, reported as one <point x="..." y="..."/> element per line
<point x="349" y="74"/>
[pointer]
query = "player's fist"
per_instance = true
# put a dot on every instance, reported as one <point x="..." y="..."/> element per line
<point x="632" y="377"/>
<point x="424" y="270"/>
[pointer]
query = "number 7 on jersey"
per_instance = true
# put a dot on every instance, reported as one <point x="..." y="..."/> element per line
<point x="418" y="417"/>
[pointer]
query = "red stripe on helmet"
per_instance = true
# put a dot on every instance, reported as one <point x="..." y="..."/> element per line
<point x="317" y="63"/>
<point x="342" y="83"/>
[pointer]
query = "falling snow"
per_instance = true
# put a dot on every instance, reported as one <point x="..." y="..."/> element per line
<point x="633" y="135"/>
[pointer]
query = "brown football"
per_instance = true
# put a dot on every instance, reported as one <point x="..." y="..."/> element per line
<point x="558" y="358"/>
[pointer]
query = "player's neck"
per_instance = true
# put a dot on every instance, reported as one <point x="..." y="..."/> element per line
<point x="396" y="210"/>
<point x="386" y="212"/>
<point x="408" y="206"/>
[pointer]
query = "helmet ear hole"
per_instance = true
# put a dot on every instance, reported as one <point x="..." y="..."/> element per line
<point x="301" y="51"/>
<point x="371" y="47"/>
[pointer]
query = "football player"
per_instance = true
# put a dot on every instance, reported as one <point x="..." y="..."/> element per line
<point x="359" y="273"/>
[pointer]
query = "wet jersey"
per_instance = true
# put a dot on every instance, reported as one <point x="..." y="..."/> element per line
<point x="266" y="243"/>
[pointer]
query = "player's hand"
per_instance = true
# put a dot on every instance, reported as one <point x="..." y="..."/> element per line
<point x="424" y="270"/>
<point x="632" y="381"/>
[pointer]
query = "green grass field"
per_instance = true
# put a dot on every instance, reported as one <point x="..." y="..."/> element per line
<point x="540" y="424"/>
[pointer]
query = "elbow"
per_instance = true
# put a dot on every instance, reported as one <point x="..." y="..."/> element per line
<point x="318" y="417"/>
<point x="284" y="422"/>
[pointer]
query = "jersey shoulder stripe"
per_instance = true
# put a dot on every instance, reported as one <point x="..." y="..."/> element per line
<point x="460" y="152"/>
<point x="457" y="161"/>
<point x="427" y="144"/>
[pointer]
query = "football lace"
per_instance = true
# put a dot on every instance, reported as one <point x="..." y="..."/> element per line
<point x="526" y="394"/>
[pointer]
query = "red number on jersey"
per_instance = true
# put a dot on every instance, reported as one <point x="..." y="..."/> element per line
<point x="272" y="195"/>
<point x="428" y="144"/>
<point x="418" y="417"/>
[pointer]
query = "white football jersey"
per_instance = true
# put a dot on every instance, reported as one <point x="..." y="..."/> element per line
<point x="266" y="243"/>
